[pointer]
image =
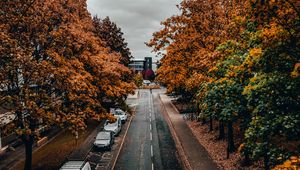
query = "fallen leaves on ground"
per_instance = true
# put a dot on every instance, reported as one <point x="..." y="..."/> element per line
<point x="217" y="148"/>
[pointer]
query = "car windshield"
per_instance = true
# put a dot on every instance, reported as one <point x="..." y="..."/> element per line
<point x="111" y="124"/>
<point x="103" y="136"/>
<point x="118" y="112"/>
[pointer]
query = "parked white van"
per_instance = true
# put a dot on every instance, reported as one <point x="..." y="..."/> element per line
<point x="76" y="165"/>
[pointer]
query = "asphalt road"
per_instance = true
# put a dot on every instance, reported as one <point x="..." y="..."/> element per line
<point x="149" y="144"/>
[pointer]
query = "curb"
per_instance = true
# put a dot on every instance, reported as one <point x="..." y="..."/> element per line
<point x="123" y="140"/>
<point x="182" y="155"/>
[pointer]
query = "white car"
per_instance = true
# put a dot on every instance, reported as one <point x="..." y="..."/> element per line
<point x="104" y="140"/>
<point x="146" y="82"/>
<point x="113" y="127"/>
<point x="76" y="165"/>
<point x="121" y="114"/>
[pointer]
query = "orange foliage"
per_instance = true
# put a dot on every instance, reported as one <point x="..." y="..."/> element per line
<point x="190" y="40"/>
<point x="54" y="67"/>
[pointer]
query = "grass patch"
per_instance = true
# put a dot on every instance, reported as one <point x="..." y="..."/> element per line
<point x="52" y="155"/>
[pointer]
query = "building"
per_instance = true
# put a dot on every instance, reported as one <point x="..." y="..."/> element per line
<point x="140" y="65"/>
<point x="148" y="63"/>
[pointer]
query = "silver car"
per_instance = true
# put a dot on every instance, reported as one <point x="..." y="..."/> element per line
<point x="104" y="140"/>
<point x="113" y="127"/>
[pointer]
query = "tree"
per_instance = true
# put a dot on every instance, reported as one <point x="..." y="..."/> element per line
<point x="149" y="74"/>
<point x="242" y="61"/>
<point x="138" y="78"/>
<point x="53" y="69"/>
<point x="121" y="83"/>
<point x="189" y="40"/>
<point x="113" y="38"/>
<point x="271" y="93"/>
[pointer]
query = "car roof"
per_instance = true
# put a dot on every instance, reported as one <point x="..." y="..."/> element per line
<point x="73" y="165"/>
<point x="103" y="133"/>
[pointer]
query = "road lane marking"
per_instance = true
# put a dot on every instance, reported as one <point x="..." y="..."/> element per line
<point x="150" y="136"/>
<point x="152" y="166"/>
<point x="150" y="119"/>
<point x="150" y="127"/>
<point x="151" y="151"/>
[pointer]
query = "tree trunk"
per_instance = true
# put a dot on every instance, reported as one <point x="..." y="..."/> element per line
<point x="230" y="141"/>
<point x="221" y="130"/>
<point x="28" y="142"/>
<point x="211" y="126"/>
<point x="203" y="121"/>
<point x="266" y="156"/>
<point x="247" y="160"/>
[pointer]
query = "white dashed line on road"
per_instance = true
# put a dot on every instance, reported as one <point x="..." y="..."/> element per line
<point x="150" y="126"/>
<point x="151" y="151"/>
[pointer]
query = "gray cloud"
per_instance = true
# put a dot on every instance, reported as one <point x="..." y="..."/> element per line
<point x="138" y="19"/>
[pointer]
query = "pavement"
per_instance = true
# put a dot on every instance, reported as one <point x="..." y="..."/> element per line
<point x="192" y="153"/>
<point x="133" y="96"/>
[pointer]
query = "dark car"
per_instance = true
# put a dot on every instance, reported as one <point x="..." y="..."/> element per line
<point x="104" y="140"/>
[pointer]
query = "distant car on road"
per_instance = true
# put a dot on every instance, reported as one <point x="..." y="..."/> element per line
<point x="76" y="165"/>
<point x="113" y="127"/>
<point x="121" y="114"/>
<point x="146" y="82"/>
<point x="104" y="140"/>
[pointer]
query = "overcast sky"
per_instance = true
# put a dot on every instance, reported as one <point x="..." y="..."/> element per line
<point x="138" y="19"/>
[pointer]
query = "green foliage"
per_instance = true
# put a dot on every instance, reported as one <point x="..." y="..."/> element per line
<point x="252" y="84"/>
<point x="246" y="71"/>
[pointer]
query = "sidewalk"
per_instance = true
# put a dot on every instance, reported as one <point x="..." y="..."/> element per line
<point x="195" y="155"/>
<point x="133" y="96"/>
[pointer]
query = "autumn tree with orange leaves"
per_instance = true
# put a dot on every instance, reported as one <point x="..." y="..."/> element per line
<point x="54" y="69"/>
<point x="189" y="42"/>
<point x="121" y="83"/>
<point x="112" y="35"/>
<point x="240" y="61"/>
